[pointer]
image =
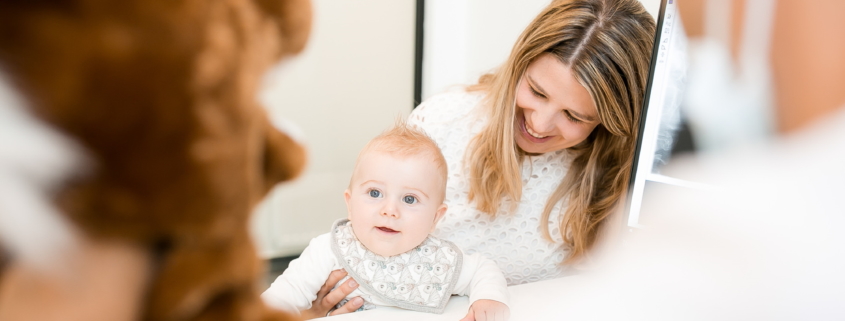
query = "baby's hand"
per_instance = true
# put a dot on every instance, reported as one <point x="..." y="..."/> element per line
<point x="487" y="310"/>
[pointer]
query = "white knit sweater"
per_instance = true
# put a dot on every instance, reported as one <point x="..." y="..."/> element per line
<point x="511" y="239"/>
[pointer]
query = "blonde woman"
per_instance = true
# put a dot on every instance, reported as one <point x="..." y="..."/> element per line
<point x="539" y="152"/>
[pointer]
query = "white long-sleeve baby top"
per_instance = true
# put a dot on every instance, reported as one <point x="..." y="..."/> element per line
<point x="421" y="279"/>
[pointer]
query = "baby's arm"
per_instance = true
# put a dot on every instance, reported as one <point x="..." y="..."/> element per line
<point x="487" y="288"/>
<point x="297" y="287"/>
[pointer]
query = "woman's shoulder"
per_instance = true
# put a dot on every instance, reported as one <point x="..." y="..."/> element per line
<point x="446" y="108"/>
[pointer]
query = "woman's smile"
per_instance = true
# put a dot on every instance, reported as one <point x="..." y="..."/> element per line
<point x="528" y="133"/>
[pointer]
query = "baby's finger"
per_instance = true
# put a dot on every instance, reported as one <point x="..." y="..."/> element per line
<point x="350" y="306"/>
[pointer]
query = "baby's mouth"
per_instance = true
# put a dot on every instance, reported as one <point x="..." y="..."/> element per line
<point x="386" y="229"/>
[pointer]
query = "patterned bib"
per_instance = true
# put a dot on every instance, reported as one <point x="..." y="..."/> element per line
<point x="421" y="279"/>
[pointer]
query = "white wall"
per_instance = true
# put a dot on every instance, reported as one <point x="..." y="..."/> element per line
<point x="652" y="6"/>
<point x="354" y="78"/>
<point x="466" y="38"/>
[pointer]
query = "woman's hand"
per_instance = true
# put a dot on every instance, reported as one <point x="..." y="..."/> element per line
<point x="326" y="300"/>
<point x="487" y="310"/>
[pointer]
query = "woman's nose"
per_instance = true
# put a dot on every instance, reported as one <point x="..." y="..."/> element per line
<point x="541" y="121"/>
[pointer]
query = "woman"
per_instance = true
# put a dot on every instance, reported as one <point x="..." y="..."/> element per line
<point x="540" y="151"/>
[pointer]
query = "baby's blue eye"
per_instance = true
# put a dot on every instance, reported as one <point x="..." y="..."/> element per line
<point x="409" y="199"/>
<point x="374" y="193"/>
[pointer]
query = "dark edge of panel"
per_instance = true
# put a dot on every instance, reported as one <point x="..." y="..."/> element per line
<point x="418" y="52"/>
<point x="654" y="52"/>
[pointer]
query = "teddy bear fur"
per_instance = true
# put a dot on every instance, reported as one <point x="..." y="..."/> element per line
<point x="161" y="95"/>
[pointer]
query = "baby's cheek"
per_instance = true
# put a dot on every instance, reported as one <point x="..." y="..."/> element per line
<point x="417" y="236"/>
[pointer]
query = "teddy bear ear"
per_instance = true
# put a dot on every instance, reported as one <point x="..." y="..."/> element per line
<point x="284" y="156"/>
<point x="293" y="18"/>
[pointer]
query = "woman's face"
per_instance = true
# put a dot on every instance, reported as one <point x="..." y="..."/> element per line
<point x="553" y="110"/>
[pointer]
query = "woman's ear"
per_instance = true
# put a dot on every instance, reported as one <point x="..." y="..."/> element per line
<point x="438" y="215"/>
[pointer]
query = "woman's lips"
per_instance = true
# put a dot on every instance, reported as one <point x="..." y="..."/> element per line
<point x="524" y="131"/>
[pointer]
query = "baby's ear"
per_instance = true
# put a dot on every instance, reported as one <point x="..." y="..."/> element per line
<point x="346" y="196"/>
<point x="438" y="215"/>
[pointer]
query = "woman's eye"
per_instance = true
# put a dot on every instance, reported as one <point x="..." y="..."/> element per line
<point x="409" y="199"/>
<point x="374" y="193"/>
<point x="572" y="119"/>
<point x="536" y="93"/>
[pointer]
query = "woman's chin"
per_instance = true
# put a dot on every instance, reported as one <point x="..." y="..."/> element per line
<point x="529" y="149"/>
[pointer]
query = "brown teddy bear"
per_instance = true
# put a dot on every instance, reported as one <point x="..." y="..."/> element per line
<point x="160" y="97"/>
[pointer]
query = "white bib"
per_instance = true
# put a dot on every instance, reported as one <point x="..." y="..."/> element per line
<point x="421" y="279"/>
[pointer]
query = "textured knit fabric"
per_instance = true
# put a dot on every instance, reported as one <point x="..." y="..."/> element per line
<point x="512" y="238"/>
<point x="421" y="279"/>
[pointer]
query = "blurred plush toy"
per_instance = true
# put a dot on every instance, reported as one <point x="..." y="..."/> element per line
<point x="132" y="151"/>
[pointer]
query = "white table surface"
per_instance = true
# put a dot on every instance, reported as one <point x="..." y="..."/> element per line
<point x="544" y="300"/>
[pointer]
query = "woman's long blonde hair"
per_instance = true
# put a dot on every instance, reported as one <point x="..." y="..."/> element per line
<point x="607" y="44"/>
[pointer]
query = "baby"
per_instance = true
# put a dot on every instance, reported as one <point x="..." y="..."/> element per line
<point x="394" y="200"/>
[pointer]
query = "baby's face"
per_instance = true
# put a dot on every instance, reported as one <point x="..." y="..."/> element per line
<point x="394" y="202"/>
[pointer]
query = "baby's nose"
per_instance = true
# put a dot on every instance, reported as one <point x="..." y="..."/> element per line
<point x="390" y="209"/>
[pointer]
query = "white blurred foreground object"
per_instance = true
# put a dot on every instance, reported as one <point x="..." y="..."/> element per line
<point x="54" y="272"/>
<point x="729" y="103"/>
<point x="34" y="160"/>
<point x="768" y="245"/>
